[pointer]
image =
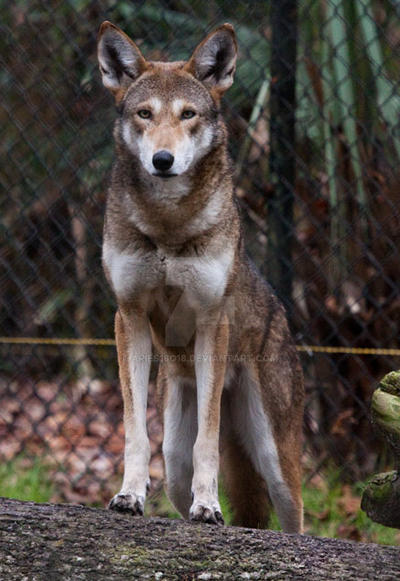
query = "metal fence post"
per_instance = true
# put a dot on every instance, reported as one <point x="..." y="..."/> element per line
<point x="282" y="153"/>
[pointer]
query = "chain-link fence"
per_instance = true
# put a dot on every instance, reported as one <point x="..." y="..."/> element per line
<point x="319" y="200"/>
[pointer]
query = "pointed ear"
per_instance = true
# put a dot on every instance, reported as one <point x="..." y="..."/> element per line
<point x="214" y="60"/>
<point x="120" y="60"/>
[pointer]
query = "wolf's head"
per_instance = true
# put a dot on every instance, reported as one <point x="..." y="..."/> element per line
<point x="169" y="111"/>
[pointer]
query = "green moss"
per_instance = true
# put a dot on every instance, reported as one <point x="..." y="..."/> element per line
<point x="385" y="409"/>
<point x="391" y="383"/>
<point x="380" y="486"/>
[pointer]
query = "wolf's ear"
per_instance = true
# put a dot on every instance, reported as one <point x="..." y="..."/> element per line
<point x="120" y="60"/>
<point x="214" y="60"/>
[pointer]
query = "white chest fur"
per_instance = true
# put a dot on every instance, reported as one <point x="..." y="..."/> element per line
<point x="202" y="278"/>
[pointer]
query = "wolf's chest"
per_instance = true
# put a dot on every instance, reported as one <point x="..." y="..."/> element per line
<point x="202" y="279"/>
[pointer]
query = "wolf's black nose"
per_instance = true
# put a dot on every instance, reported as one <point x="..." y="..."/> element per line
<point x="163" y="160"/>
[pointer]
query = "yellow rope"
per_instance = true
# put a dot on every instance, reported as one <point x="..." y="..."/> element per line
<point x="57" y="341"/>
<point x="349" y="350"/>
<point x="111" y="343"/>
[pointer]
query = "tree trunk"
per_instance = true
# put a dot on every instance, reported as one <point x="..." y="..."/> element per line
<point x="65" y="542"/>
<point x="385" y="411"/>
<point x="381" y="497"/>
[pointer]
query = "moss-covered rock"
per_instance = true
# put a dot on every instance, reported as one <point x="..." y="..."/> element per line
<point x="381" y="499"/>
<point x="391" y="383"/>
<point x="385" y="412"/>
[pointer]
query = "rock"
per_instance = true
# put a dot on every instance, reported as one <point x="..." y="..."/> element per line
<point x="73" y="543"/>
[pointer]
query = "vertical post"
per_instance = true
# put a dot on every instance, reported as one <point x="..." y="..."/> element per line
<point x="282" y="147"/>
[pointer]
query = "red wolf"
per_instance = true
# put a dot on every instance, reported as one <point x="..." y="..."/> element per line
<point x="229" y="378"/>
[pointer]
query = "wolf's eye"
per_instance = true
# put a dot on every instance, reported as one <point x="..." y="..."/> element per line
<point x="144" y="113"/>
<point x="187" y="114"/>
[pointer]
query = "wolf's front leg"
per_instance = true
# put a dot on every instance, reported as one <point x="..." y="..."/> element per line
<point x="210" y="352"/>
<point x="134" y="357"/>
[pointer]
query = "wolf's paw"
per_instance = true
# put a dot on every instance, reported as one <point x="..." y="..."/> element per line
<point x="200" y="512"/>
<point x="128" y="503"/>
